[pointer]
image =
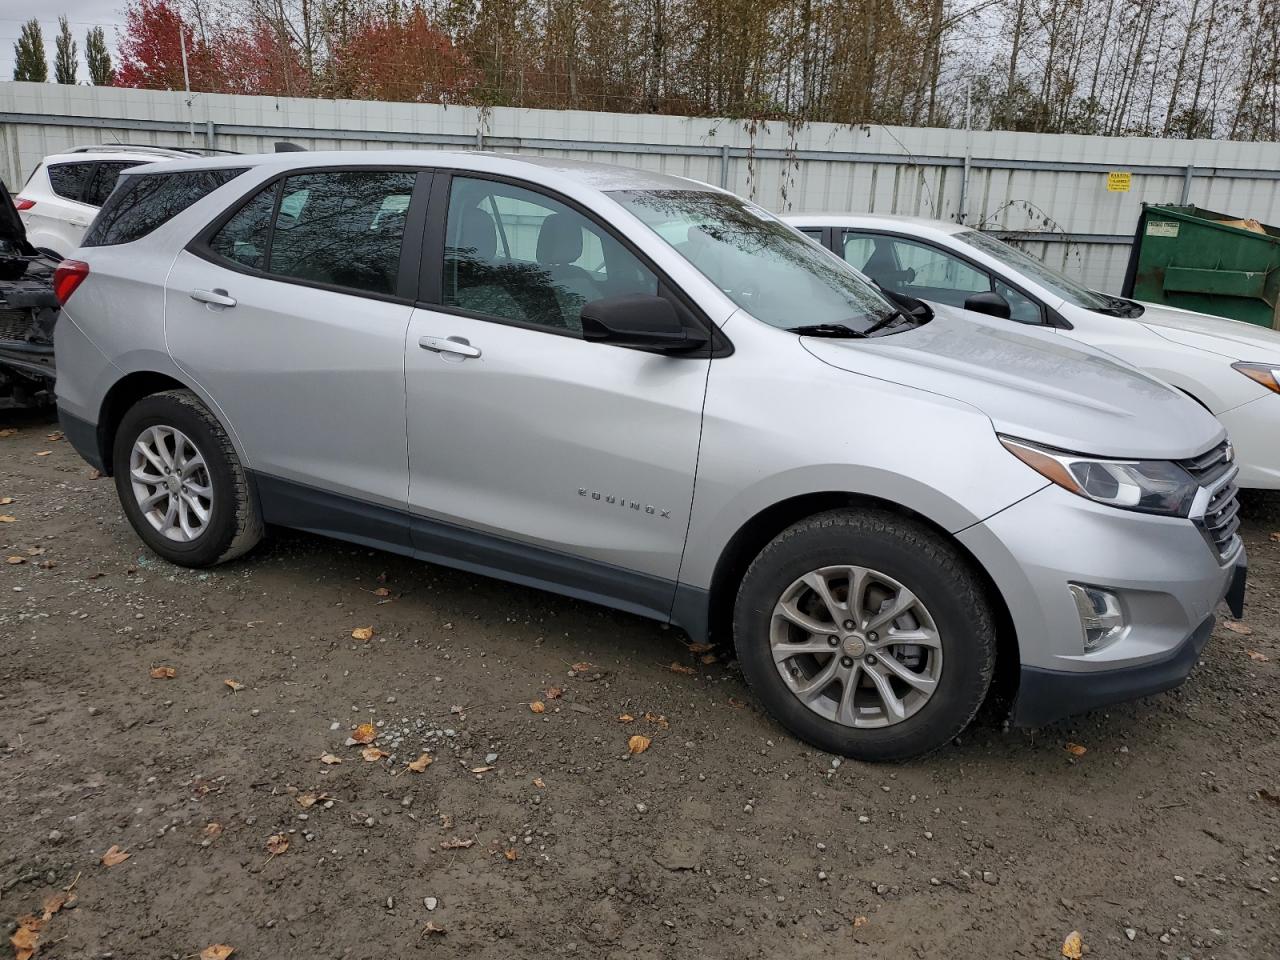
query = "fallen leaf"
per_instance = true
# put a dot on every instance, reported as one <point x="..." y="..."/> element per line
<point x="44" y="453"/>
<point x="860" y="922"/>
<point x="424" y="761"/>
<point x="1073" y="946"/>
<point x="539" y="783"/>
<point x="433" y="927"/>
<point x="218" y="951"/>
<point x="1276" y="536"/>
<point x="373" y="754"/>
<point x="735" y="702"/>
<point x="25" y="940"/>
<point x="5" y="501"/>
<point x="95" y="474"/>
<point x="6" y="518"/>
<point x="310" y="799"/>
<point x="696" y="648"/>
<point x="213" y="830"/>
<point x="638" y="744"/>
<point x="625" y="718"/>
<point x="362" y="633"/>
<point x="680" y="668"/>
<point x="8" y="432"/>
<point x="55" y="902"/>
<point x="114" y="856"/>
<point x="234" y="685"/>
<point x="708" y="658"/>
<point x="1257" y="657"/>
<point x="15" y="560"/>
<point x="581" y="667"/>
<point x="277" y="844"/>
<point x="1236" y="626"/>
<point x="481" y="769"/>
<point x="365" y="733"/>
<point x="512" y="854"/>
<point x="34" y="551"/>
<point x="554" y="693"/>
<point x="381" y="592"/>
<point x="456" y="844"/>
<point x="163" y="673"/>
<point x="658" y="719"/>
<point x="55" y="436"/>
<point x="1076" y="750"/>
<point x="538" y="707"/>
<point x="47" y="564"/>
<point x="330" y="759"/>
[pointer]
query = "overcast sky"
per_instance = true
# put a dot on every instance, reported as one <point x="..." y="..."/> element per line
<point x="83" y="14"/>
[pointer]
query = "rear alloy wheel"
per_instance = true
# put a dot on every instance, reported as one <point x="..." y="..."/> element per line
<point x="866" y="634"/>
<point x="180" y="482"/>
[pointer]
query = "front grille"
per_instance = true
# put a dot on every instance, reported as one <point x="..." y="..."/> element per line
<point x="1215" y="471"/>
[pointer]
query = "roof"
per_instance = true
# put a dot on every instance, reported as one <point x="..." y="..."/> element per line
<point x="880" y="220"/>
<point x="596" y="176"/>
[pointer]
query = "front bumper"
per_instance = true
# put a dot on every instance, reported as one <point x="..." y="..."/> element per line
<point x="1168" y="580"/>
<point x="1254" y="429"/>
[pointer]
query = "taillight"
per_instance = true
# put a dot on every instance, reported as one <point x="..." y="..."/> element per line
<point x="22" y="203"/>
<point x="67" y="277"/>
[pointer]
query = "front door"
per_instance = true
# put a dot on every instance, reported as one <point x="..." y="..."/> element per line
<point x="289" y="317"/>
<point x="561" y="462"/>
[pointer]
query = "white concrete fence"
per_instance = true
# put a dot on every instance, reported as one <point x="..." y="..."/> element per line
<point x="1049" y="192"/>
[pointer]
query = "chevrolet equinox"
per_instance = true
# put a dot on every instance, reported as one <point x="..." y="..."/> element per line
<point x="642" y="391"/>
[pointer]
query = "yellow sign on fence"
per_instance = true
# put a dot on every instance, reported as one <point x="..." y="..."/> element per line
<point x="1119" y="181"/>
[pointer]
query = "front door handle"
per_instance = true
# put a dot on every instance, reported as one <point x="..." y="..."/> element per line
<point x="218" y="298"/>
<point x="458" y="346"/>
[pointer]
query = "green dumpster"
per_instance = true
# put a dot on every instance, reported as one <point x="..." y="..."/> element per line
<point x="1189" y="257"/>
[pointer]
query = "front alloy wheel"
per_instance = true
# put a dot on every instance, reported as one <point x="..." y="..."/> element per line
<point x="855" y="646"/>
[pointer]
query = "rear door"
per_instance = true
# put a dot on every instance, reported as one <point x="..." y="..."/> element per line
<point x="290" y="312"/>
<point x="557" y="461"/>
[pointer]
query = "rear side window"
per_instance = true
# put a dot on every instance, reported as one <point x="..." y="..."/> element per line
<point x="71" y="180"/>
<point x="339" y="229"/>
<point x="144" y="201"/>
<point x="104" y="181"/>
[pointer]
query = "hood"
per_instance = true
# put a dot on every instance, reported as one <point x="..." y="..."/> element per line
<point x="1034" y="385"/>
<point x="13" y="235"/>
<point x="1234" y="339"/>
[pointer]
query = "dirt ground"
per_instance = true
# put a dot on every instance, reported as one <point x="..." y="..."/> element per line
<point x="537" y="834"/>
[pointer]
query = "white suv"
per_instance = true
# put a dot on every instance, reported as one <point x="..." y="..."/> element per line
<point x="64" y="192"/>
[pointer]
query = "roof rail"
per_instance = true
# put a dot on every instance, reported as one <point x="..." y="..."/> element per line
<point x="174" y="151"/>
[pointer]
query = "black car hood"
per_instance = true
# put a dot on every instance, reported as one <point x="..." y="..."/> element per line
<point x="13" y="235"/>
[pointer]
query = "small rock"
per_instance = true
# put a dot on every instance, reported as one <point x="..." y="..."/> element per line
<point x="1130" y="933"/>
<point x="94" y="711"/>
<point x="490" y="758"/>
<point x="55" y="836"/>
<point x="430" y="902"/>
<point x="641" y="808"/>
<point x="822" y="874"/>
<point x="989" y="877"/>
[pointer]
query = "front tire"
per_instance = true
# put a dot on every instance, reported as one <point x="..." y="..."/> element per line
<point x="866" y="634"/>
<point x="181" y="484"/>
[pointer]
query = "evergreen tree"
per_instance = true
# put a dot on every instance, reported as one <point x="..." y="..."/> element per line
<point x="98" y="57"/>
<point x="65" y="62"/>
<point x="28" y="54"/>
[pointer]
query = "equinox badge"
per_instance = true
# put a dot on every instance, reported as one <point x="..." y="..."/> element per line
<point x="615" y="501"/>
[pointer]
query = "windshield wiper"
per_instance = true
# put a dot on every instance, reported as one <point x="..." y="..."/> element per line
<point x="832" y="330"/>
<point x="884" y="321"/>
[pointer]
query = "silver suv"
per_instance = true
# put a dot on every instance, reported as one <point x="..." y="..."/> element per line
<point x="645" y="392"/>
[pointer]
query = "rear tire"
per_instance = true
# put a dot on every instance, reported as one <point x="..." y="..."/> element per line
<point x="181" y="484"/>
<point x="897" y="673"/>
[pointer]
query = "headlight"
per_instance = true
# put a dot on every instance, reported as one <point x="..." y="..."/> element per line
<point x="1265" y="374"/>
<point x="1148" y="486"/>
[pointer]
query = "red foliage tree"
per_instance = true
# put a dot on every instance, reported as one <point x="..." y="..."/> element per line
<point x="401" y="56"/>
<point x="150" y="47"/>
<point x="262" y="59"/>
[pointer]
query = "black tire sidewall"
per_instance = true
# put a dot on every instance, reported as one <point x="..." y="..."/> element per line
<point x="965" y="630"/>
<point x="162" y="410"/>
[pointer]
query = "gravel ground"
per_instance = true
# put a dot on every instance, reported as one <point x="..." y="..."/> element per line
<point x="537" y="833"/>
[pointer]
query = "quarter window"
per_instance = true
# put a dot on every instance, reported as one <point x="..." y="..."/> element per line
<point x="108" y="174"/>
<point x="146" y="201"/>
<point x="243" y="238"/>
<point x="71" y="180"/>
<point x="517" y="255"/>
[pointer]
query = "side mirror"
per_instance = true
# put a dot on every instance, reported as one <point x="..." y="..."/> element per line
<point x="990" y="303"/>
<point x="638" y="320"/>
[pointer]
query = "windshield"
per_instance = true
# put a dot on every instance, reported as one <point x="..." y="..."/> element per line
<point x="1036" y="269"/>
<point x="761" y="264"/>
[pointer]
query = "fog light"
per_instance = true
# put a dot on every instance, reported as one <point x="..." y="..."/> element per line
<point x="1101" y="617"/>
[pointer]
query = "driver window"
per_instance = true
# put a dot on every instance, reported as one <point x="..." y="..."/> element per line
<point x="516" y="255"/>
<point x="917" y="269"/>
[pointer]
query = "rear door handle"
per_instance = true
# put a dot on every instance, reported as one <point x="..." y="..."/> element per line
<point x="459" y="346"/>
<point x="216" y="297"/>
